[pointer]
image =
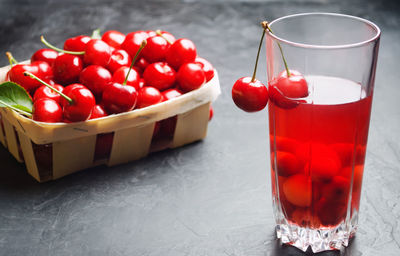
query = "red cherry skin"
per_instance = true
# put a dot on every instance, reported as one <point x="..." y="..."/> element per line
<point x="148" y="96"/>
<point x="66" y="68"/>
<point x="82" y="104"/>
<point x="67" y="89"/>
<point x="159" y="75"/>
<point x="133" y="78"/>
<point x="47" y="110"/>
<point x="190" y="77"/>
<point x="211" y="113"/>
<point x="45" y="92"/>
<point x="171" y="93"/>
<point x="168" y="36"/>
<point x="118" y="98"/>
<point x="97" y="52"/>
<point x="287" y="164"/>
<point x="249" y="96"/>
<point x="155" y="49"/>
<point x="119" y="58"/>
<point x="45" y="70"/>
<point x="181" y="51"/>
<point x="294" y="86"/>
<point x="133" y="41"/>
<point x="141" y="65"/>
<point x="207" y="68"/>
<point x="165" y="34"/>
<point x="47" y="55"/>
<point x="151" y="33"/>
<point x="97" y="112"/>
<point x="95" y="78"/>
<point x="142" y="83"/>
<point x="77" y="43"/>
<point x="283" y="90"/>
<point x="113" y="38"/>
<point x="16" y="75"/>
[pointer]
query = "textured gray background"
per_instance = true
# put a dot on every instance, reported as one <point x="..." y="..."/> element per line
<point x="209" y="198"/>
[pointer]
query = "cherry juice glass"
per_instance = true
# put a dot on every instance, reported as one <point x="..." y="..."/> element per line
<point x="318" y="143"/>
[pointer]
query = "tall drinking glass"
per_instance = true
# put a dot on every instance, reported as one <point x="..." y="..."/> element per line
<point x="318" y="143"/>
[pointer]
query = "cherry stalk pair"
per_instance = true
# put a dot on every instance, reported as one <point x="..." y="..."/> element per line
<point x="250" y="95"/>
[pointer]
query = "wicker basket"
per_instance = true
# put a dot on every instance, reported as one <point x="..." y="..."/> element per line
<point x="53" y="150"/>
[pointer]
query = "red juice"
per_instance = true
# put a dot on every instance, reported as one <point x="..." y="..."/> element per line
<point x="317" y="153"/>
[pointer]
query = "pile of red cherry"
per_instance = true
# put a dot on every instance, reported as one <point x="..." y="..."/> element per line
<point x="92" y="77"/>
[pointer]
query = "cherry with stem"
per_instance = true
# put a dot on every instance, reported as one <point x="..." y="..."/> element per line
<point x="79" y="101"/>
<point x="48" y="85"/>
<point x="289" y="85"/>
<point x="248" y="93"/>
<point x="117" y="97"/>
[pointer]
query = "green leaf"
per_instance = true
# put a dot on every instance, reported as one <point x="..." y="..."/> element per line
<point x="14" y="95"/>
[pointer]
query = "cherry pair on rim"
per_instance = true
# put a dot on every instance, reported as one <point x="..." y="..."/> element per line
<point x="76" y="100"/>
<point x="251" y="95"/>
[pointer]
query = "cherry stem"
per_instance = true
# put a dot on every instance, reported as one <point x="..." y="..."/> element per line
<point x="158" y="32"/>
<point x="26" y="73"/>
<point x="11" y="59"/>
<point x="16" y="109"/>
<point x="266" y="26"/>
<point x="58" y="49"/>
<point x="96" y="34"/>
<point x="142" y="45"/>
<point x="258" y="55"/>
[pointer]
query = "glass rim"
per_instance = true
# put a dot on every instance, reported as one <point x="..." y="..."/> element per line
<point x="315" y="46"/>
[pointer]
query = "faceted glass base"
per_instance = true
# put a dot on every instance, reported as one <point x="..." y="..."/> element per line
<point x="322" y="239"/>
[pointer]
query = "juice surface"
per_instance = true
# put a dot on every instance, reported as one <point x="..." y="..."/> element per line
<point x="317" y="152"/>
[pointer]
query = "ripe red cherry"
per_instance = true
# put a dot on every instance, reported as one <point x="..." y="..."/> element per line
<point x="16" y="75"/>
<point x="159" y="75"/>
<point x="118" y="98"/>
<point x="207" y="68"/>
<point x="155" y="49"/>
<point x="132" y="42"/>
<point x="181" y="51"/>
<point x="47" y="55"/>
<point x="95" y="78"/>
<point x="66" y="68"/>
<point x="170" y="94"/>
<point x="97" y="112"/>
<point x="45" y="92"/>
<point x="47" y="110"/>
<point x="148" y="96"/>
<point x="285" y="90"/>
<point x="119" y="58"/>
<point x="113" y="38"/>
<point x="190" y="77"/>
<point x="249" y="95"/>
<point x="77" y="43"/>
<point x="133" y="78"/>
<point x="97" y="52"/>
<point x="81" y="106"/>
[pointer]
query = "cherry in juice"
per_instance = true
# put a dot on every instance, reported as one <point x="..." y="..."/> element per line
<point x="317" y="152"/>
